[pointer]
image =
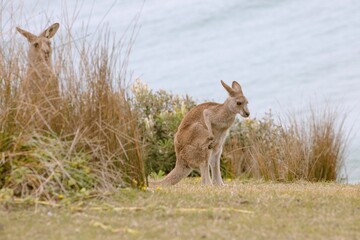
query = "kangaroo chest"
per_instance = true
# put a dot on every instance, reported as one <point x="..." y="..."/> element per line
<point x="222" y="125"/>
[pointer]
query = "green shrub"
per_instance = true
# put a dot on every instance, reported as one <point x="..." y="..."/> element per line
<point x="160" y="114"/>
<point x="45" y="167"/>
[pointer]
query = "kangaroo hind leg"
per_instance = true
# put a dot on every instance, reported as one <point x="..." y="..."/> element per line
<point x="205" y="174"/>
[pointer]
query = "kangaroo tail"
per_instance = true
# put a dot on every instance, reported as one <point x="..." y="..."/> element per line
<point x="178" y="173"/>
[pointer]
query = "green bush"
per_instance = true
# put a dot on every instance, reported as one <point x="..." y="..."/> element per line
<point x="45" y="167"/>
<point x="160" y="114"/>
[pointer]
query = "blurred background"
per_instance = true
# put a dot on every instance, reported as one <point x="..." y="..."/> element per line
<point x="287" y="55"/>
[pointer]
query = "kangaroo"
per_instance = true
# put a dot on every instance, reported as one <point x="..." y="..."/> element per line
<point x="201" y="135"/>
<point x="40" y="86"/>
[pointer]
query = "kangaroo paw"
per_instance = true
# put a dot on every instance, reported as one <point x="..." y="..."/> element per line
<point x="211" y="142"/>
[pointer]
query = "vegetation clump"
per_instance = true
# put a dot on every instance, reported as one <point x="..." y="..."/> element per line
<point x="311" y="149"/>
<point x="95" y="144"/>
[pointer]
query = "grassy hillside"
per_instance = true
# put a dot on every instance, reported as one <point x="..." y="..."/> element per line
<point x="241" y="210"/>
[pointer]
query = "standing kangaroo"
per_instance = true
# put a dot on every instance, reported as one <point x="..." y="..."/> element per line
<point x="201" y="136"/>
<point x="40" y="87"/>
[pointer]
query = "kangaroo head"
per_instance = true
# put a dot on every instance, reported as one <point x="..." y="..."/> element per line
<point x="237" y="102"/>
<point x="40" y="46"/>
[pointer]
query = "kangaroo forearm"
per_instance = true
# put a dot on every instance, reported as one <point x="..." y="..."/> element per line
<point x="208" y="122"/>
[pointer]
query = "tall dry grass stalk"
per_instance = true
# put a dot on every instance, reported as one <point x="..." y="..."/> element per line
<point x="310" y="149"/>
<point x="95" y="120"/>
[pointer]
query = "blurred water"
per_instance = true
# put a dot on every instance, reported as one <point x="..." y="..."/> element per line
<point x="285" y="53"/>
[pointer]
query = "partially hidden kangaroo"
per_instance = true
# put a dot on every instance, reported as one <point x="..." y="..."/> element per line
<point x="201" y="136"/>
<point x="40" y="86"/>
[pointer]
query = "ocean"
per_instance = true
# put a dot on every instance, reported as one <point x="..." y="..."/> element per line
<point x="287" y="55"/>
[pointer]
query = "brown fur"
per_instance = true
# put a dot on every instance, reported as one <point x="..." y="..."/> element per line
<point x="39" y="90"/>
<point x="201" y="135"/>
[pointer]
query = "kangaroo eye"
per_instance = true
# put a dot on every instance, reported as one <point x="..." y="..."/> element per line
<point x="238" y="103"/>
<point x="36" y="45"/>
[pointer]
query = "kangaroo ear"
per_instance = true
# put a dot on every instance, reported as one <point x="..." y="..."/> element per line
<point x="228" y="88"/>
<point x="29" y="36"/>
<point x="50" y="31"/>
<point x="236" y="86"/>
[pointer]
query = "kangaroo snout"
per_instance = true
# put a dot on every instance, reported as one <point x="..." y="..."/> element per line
<point x="245" y="114"/>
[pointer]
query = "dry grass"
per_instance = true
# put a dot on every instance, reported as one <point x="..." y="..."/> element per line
<point x="241" y="210"/>
<point x="94" y="139"/>
<point x="310" y="148"/>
